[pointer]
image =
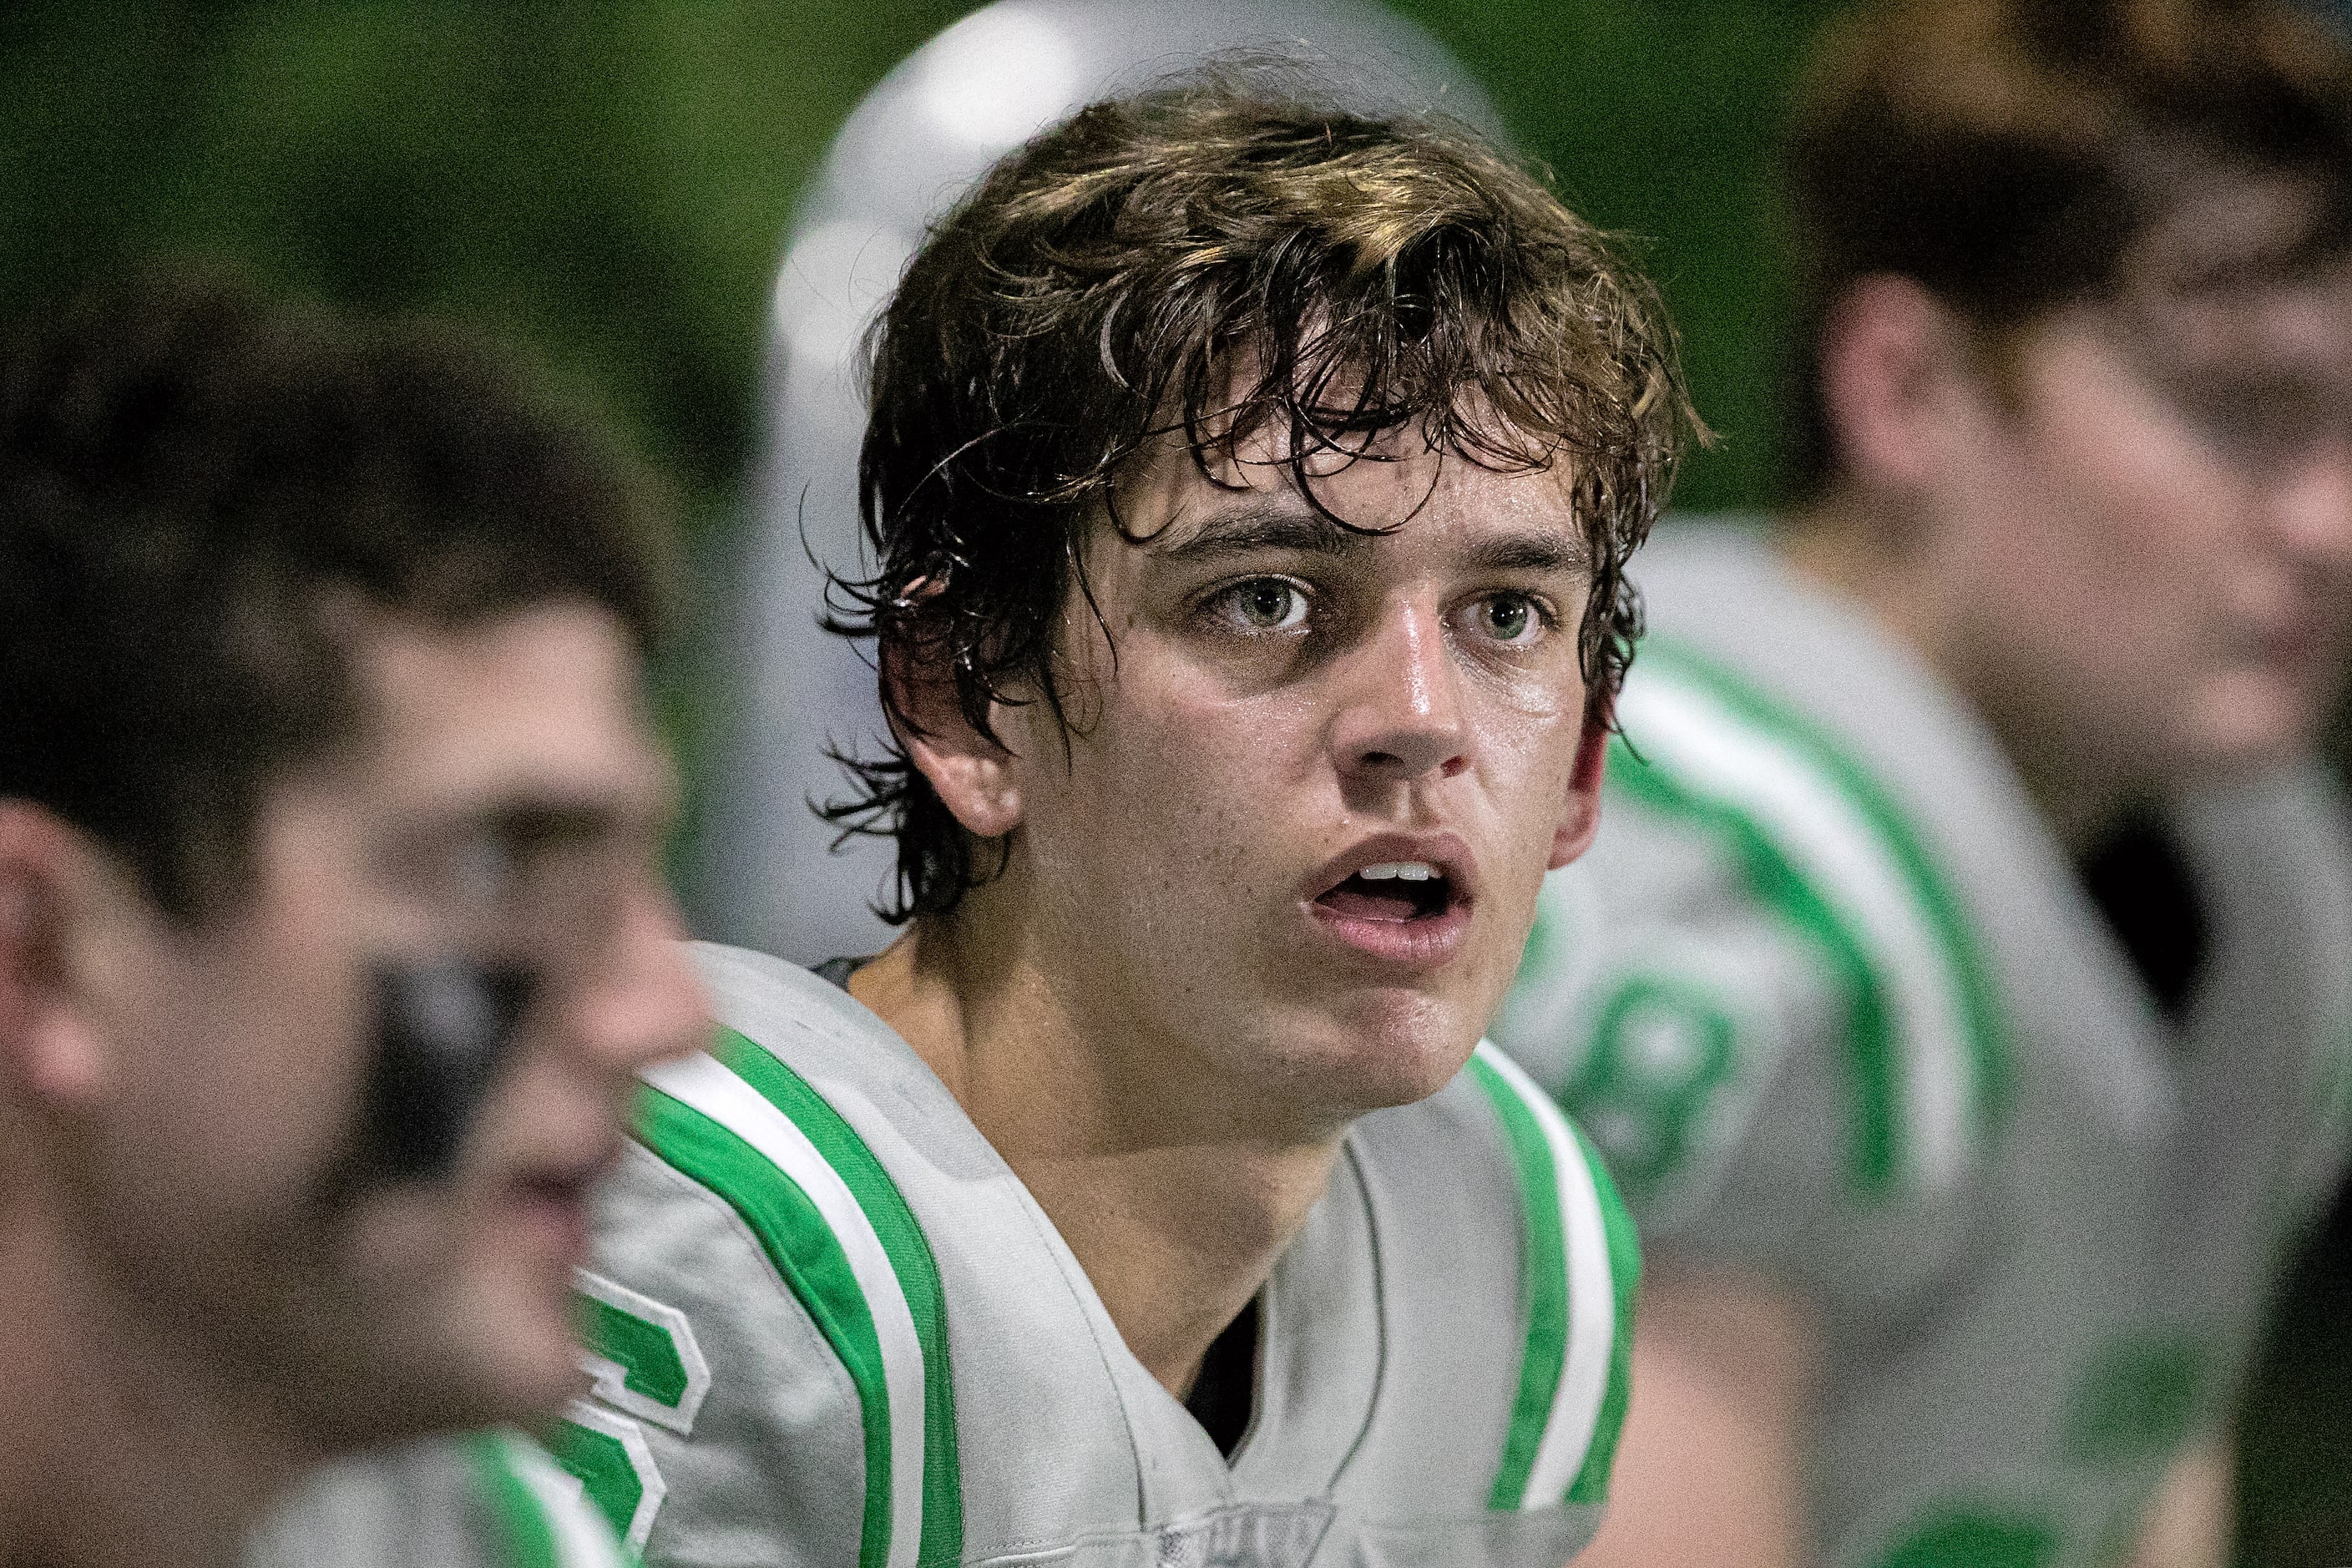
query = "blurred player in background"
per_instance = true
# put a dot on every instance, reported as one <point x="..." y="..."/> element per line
<point x="331" y="934"/>
<point x="1959" y="987"/>
<point x="1250" y="484"/>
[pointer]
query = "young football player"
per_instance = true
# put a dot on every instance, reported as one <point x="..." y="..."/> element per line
<point x="331" y="934"/>
<point x="769" y="873"/>
<point x="1961" y="986"/>
<point x="1249" y="485"/>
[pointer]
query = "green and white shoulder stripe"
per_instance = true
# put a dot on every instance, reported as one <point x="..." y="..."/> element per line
<point x="1581" y="1265"/>
<point x="542" y="1517"/>
<point x="1821" y="843"/>
<point x="841" y="1239"/>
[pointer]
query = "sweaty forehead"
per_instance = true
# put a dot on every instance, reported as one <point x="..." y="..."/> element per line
<point x="1399" y="489"/>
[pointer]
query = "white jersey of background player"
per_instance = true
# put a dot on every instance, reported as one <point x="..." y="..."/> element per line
<point x="1964" y="1196"/>
<point x="1250" y="483"/>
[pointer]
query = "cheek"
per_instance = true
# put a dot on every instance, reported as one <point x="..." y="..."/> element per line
<point x="1531" y="777"/>
<point x="1525" y="729"/>
<point x="2140" y="519"/>
<point x="287" y="1110"/>
<point x="274" y="1061"/>
<point x="1170" y="795"/>
<point x="1171" y="732"/>
<point x="232" y="1108"/>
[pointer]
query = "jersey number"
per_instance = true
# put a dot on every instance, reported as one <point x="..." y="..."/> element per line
<point x="645" y="1367"/>
<point x="1661" y="1050"/>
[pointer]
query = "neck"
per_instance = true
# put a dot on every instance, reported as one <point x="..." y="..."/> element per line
<point x="116" y="1446"/>
<point x="1167" y="1182"/>
<point x="1870" y="554"/>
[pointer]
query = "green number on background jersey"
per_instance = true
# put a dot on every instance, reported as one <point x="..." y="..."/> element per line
<point x="2138" y="1399"/>
<point x="1661" y="1048"/>
<point x="1976" y="1541"/>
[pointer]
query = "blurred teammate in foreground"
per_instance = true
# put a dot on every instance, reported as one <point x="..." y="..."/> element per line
<point x="1960" y="986"/>
<point x="330" y="930"/>
<point x="1250" y="486"/>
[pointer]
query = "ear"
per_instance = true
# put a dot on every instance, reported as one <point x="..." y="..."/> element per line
<point x="1896" y="370"/>
<point x="1581" y="820"/>
<point x="976" y="779"/>
<point x="49" y="878"/>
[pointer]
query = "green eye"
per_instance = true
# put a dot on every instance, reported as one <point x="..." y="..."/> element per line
<point x="1268" y="604"/>
<point x="1510" y="617"/>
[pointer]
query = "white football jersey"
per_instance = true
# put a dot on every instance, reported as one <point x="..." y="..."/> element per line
<point x="1832" y="1000"/>
<point x="830" y="1326"/>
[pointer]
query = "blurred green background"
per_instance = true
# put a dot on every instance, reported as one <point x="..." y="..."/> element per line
<point x="610" y="184"/>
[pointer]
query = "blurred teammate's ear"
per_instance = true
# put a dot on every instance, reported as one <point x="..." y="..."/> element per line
<point x="975" y="777"/>
<point x="48" y="1051"/>
<point x="1896" y="370"/>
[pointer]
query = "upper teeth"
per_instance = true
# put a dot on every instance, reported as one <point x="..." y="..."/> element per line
<point x="1399" y="871"/>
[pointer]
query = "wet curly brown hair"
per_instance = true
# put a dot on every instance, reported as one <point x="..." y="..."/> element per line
<point x="1219" y="259"/>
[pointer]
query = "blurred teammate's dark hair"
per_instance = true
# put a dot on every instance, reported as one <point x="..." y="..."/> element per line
<point x="2008" y="154"/>
<point x="1216" y="259"/>
<point x="198" y="486"/>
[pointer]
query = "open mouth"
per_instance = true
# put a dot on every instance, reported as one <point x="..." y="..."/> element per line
<point x="1394" y="891"/>
<point x="558" y="1196"/>
<point x="561" y="1187"/>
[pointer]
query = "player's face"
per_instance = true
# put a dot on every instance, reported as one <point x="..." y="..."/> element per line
<point x="503" y="809"/>
<point x="1315" y="778"/>
<point x="2168" y="587"/>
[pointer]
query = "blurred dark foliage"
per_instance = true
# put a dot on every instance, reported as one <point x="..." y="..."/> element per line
<point x="607" y="182"/>
<point x="611" y="185"/>
<point x="2295" y="1426"/>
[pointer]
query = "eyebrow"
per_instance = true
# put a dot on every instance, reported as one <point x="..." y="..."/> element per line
<point x="1276" y="526"/>
<point x="529" y="815"/>
<point x="542" y="821"/>
<point x="1268" y="526"/>
<point x="1547" y="550"/>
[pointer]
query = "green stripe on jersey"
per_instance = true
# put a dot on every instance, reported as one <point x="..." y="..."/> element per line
<point x="1881" y="838"/>
<point x="1778" y="885"/>
<point x="910" y="1258"/>
<point x="742" y="1123"/>
<point x="541" y="1519"/>
<point x="1592" y="1485"/>
<point x="806" y="1255"/>
<point x="1543" y="1285"/>
<point x="523" y="1529"/>
<point x="1579" y="1270"/>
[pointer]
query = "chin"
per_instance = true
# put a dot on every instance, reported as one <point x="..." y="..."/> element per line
<point x="1388" y="1050"/>
<point x="2251" y="728"/>
<point x="436" y="1373"/>
<point x="508" y="1350"/>
<point x="531" y="1364"/>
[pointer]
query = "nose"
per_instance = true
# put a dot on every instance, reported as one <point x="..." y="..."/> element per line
<point x="1399" y="718"/>
<point x="648" y="1005"/>
<point x="2314" y="508"/>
